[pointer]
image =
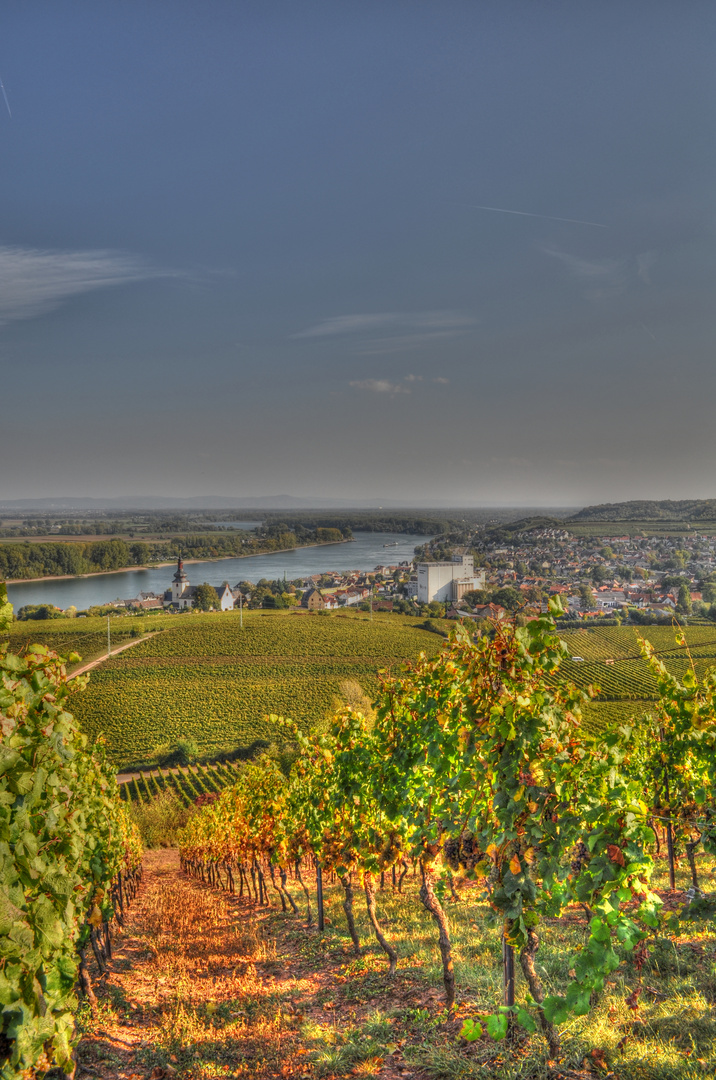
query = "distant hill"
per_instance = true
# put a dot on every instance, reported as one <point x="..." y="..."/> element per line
<point x="649" y="510"/>
<point x="504" y="531"/>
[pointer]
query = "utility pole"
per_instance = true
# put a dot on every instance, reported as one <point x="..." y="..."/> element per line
<point x="241" y="610"/>
<point x="371" y="601"/>
<point x="109" y="641"/>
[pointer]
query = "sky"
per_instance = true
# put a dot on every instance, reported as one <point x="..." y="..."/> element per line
<point x="458" y="251"/>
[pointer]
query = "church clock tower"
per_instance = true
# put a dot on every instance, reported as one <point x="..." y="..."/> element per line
<point x="179" y="582"/>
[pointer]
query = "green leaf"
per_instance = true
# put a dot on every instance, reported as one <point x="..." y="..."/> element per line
<point x="578" y="999"/>
<point x="526" y="1021"/>
<point x="555" y="1009"/>
<point x="471" y="1030"/>
<point x="497" y="1025"/>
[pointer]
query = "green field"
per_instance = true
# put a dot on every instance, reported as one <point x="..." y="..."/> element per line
<point x="206" y="678"/>
<point x="203" y="677"/>
<point x="627" y="687"/>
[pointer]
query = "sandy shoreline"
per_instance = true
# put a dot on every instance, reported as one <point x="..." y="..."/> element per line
<point x="156" y="566"/>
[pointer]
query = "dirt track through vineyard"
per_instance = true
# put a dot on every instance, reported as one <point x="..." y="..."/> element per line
<point x="203" y="987"/>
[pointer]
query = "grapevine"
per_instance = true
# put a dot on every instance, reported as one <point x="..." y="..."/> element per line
<point x="67" y="844"/>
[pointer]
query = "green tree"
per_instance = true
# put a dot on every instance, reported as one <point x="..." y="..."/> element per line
<point x="206" y="597"/>
<point x="39" y="611"/>
<point x="508" y="598"/>
<point x="140" y="553"/>
<point x="684" y="601"/>
<point x="586" y="598"/>
<point x="477" y="596"/>
<point x="328" y="536"/>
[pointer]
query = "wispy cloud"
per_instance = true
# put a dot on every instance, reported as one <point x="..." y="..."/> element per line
<point x="391" y="331"/>
<point x="385" y="386"/>
<point x="33" y="282"/>
<point x="380" y="386"/>
<point x="608" y="276"/>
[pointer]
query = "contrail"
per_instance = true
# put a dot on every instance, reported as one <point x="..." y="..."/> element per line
<point x="5" y="96"/>
<point x="645" y="327"/>
<point x="545" y="217"/>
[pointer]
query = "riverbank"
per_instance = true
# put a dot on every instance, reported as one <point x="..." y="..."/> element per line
<point x="159" y="565"/>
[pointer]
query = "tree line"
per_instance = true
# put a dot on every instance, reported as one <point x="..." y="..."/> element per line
<point x="19" y="561"/>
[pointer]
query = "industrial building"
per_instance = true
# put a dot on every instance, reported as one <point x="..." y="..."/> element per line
<point x="447" y="581"/>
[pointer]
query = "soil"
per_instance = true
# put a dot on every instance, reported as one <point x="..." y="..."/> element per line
<point x="204" y="984"/>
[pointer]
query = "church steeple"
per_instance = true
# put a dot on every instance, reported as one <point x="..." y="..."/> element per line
<point x="179" y="582"/>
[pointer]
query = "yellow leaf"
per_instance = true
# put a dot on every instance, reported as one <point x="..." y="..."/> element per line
<point x="515" y="865"/>
<point x="518" y="794"/>
<point x="529" y="855"/>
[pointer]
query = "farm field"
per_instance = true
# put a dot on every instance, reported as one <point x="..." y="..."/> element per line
<point x="204" y="678"/>
<point x="611" y="661"/>
<point x="88" y="637"/>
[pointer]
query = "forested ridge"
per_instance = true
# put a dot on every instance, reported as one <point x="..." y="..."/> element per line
<point x="649" y="510"/>
<point x="25" y="559"/>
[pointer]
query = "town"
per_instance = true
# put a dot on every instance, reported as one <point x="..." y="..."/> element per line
<point x="457" y="576"/>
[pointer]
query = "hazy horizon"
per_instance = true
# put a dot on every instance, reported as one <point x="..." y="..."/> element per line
<point x="435" y="253"/>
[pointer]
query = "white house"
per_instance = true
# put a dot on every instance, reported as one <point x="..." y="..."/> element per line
<point x="226" y="597"/>
<point x="448" y="580"/>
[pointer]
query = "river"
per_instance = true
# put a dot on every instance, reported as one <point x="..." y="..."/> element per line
<point x="365" y="553"/>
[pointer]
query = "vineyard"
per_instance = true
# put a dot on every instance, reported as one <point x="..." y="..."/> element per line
<point x="203" y="677"/>
<point x="208" y="679"/>
<point x="86" y="637"/>
<point x="478" y="780"/>
<point x="69" y="861"/>
<point x="189" y="784"/>
<point x="473" y="799"/>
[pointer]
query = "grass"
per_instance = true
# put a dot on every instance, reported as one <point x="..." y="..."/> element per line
<point x="207" y="985"/>
<point x="671" y="1034"/>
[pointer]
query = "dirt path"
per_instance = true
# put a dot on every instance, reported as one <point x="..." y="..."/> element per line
<point x="118" y="649"/>
<point x="205" y="985"/>
<point x="190" y="993"/>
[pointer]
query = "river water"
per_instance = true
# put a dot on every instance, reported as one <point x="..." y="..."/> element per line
<point x="365" y="553"/>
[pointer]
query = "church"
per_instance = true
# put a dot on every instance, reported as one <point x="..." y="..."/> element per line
<point x="182" y="594"/>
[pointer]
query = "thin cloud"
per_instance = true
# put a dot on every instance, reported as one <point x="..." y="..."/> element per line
<point x="391" y="331"/>
<point x="347" y="324"/>
<point x="441" y="380"/>
<point x="385" y="386"/>
<point x="33" y="282"/>
<point x="605" y="277"/>
<point x="380" y="386"/>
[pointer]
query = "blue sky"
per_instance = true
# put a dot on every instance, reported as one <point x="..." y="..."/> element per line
<point x="243" y="250"/>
